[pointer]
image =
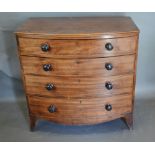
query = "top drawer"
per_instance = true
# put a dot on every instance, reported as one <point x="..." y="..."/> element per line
<point x="77" y="48"/>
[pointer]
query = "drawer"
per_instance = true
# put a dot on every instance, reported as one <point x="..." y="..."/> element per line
<point x="78" y="67"/>
<point x="80" y="111"/>
<point x="77" y="48"/>
<point x="78" y="87"/>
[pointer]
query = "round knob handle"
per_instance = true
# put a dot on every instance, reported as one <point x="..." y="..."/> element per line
<point x="50" y="86"/>
<point x="45" y="47"/>
<point x="108" y="66"/>
<point x="47" y="67"/>
<point x="52" y="108"/>
<point x="108" y="85"/>
<point x="108" y="46"/>
<point x="108" y="107"/>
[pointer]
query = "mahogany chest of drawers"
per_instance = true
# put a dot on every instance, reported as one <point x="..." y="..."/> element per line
<point x="79" y="71"/>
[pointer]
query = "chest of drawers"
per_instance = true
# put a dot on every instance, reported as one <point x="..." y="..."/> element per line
<point x="79" y="71"/>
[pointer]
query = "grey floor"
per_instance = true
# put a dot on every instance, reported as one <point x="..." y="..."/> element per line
<point x="14" y="124"/>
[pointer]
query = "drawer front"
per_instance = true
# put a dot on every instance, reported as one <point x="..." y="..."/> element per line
<point x="77" y="48"/>
<point x="80" y="111"/>
<point x="78" y="67"/>
<point x="79" y="87"/>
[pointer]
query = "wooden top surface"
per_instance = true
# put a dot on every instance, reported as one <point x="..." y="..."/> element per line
<point x="78" y="27"/>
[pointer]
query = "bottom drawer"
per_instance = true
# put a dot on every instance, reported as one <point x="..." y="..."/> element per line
<point x="80" y="111"/>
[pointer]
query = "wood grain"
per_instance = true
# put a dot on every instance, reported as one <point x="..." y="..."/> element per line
<point x="80" y="111"/>
<point x="77" y="48"/>
<point x="78" y="56"/>
<point x="78" y="28"/>
<point x="83" y="87"/>
<point x="78" y="67"/>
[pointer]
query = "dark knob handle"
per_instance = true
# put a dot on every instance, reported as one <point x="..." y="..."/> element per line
<point x="52" y="108"/>
<point x="108" y="66"/>
<point x="108" y="107"/>
<point x="45" y="47"/>
<point x="47" y="67"/>
<point x="108" y="46"/>
<point x="108" y="85"/>
<point x="50" y="86"/>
